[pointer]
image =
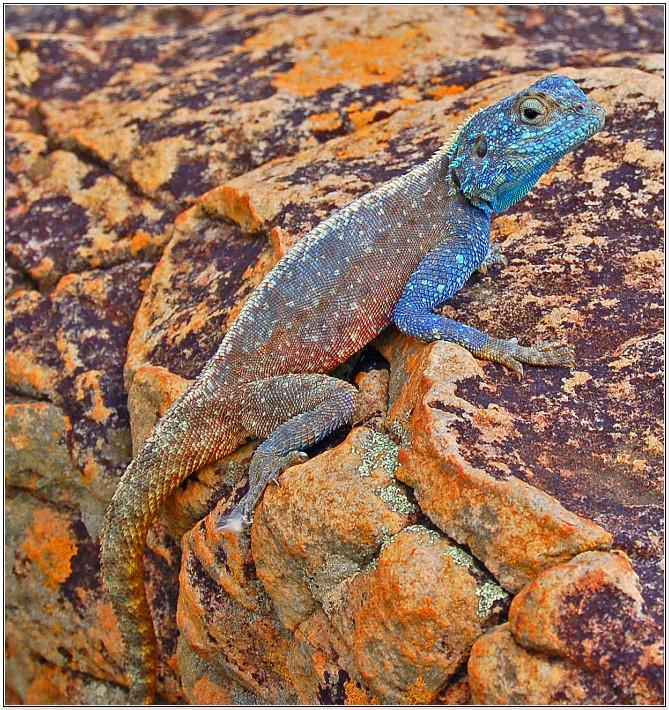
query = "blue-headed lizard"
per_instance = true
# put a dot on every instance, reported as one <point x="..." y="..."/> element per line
<point x="392" y="256"/>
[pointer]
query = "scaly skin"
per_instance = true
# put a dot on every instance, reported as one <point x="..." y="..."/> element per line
<point x="391" y="256"/>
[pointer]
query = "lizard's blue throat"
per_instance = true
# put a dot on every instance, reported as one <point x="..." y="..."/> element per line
<point x="479" y="202"/>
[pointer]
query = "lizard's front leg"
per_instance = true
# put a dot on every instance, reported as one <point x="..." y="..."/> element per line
<point x="294" y="412"/>
<point x="439" y="276"/>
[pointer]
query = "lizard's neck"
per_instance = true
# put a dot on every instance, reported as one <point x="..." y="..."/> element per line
<point x="456" y="188"/>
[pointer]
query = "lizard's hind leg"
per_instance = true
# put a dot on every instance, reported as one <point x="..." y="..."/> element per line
<point x="293" y="412"/>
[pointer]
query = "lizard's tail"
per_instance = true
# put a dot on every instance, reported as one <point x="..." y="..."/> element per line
<point x="193" y="432"/>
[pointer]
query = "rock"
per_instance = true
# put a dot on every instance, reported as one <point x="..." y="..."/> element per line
<point x="578" y="633"/>
<point x="56" y="607"/>
<point x="205" y="684"/>
<point x="177" y="112"/>
<point x="120" y="118"/>
<point x="65" y="215"/>
<point x="226" y="619"/>
<point x="37" y="456"/>
<point x="326" y="521"/>
<point x="68" y="347"/>
<point x="197" y="288"/>
<point x="501" y="672"/>
<point x="408" y="624"/>
<point x="591" y="612"/>
<point x="330" y="537"/>
<point x="515" y="529"/>
<point x="34" y="681"/>
<point x="589" y="438"/>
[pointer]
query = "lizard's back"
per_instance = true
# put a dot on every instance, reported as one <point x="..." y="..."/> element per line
<point x="335" y="290"/>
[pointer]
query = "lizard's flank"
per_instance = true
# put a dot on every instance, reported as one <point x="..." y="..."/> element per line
<point x="393" y="256"/>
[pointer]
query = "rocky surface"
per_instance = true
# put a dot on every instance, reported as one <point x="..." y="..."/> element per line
<point x="578" y="633"/>
<point x="159" y="161"/>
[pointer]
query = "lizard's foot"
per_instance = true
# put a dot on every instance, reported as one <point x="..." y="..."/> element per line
<point x="494" y="257"/>
<point x="263" y="469"/>
<point x="512" y="355"/>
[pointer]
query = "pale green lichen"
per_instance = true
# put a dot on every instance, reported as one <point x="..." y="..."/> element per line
<point x="396" y="498"/>
<point x="379" y="451"/>
<point x="398" y="430"/>
<point x="460" y="557"/>
<point x="431" y="535"/>
<point x="330" y="574"/>
<point x="488" y="593"/>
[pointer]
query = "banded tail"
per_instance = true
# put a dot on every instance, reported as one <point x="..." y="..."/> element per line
<point x="193" y="432"/>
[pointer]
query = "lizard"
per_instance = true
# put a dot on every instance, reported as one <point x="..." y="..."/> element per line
<point x="392" y="256"/>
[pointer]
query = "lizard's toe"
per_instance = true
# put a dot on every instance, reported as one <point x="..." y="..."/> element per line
<point x="552" y="354"/>
<point x="512" y="364"/>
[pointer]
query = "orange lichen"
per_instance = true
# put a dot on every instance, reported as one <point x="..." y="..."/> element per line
<point x="50" y="542"/>
<point x="357" y="695"/>
<point x="158" y="162"/>
<point x="140" y="240"/>
<point x="43" y="269"/>
<point x="328" y="121"/>
<point x="438" y="92"/>
<point x="206" y="692"/>
<point x="186" y="216"/>
<point x="418" y="693"/>
<point x="20" y="368"/>
<point x="68" y="351"/>
<point x="89" y="472"/>
<point x="49" y="686"/>
<point x="11" y="45"/>
<point x="233" y="203"/>
<point x="370" y="139"/>
<point x="360" y="118"/>
<point x="89" y="383"/>
<point x="360" y="62"/>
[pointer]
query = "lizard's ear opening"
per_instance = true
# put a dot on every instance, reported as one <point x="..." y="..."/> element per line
<point x="481" y="146"/>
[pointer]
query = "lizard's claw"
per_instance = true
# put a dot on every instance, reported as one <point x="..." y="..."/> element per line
<point x="512" y="355"/>
<point x="264" y="468"/>
<point x="280" y="464"/>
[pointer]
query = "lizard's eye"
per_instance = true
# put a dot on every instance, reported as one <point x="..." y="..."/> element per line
<point x="531" y="110"/>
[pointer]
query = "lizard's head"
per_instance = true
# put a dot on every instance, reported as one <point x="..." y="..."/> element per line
<point x="500" y="153"/>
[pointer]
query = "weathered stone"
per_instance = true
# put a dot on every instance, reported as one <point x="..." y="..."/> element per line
<point x="206" y="272"/>
<point x="65" y="215"/>
<point x="409" y="621"/>
<point x="177" y="113"/>
<point x="501" y="672"/>
<point x="226" y="617"/>
<point x="205" y="684"/>
<point x="316" y="669"/>
<point x="37" y="457"/>
<point x="36" y="682"/>
<point x="326" y="520"/>
<point x="68" y="347"/>
<point x="373" y="398"/>
<point x="402" y="608"/>
<point x="591" y="612"/>
<point x="515" y="529"/>
<point x="55" y="604"/>
<point x="131" y="114"/>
